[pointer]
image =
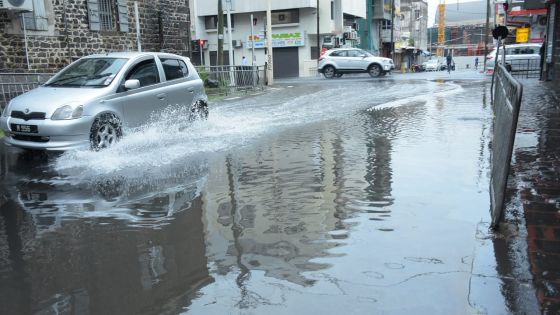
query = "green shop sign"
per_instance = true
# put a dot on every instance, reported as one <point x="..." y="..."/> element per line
<point x="295" y="39"/>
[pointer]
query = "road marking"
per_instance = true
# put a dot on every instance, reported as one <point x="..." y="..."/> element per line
<point x="232" y="98"/>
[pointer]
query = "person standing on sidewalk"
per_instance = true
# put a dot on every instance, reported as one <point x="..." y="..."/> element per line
<point x="476" y="63"/>
<point x="449" y="60"/>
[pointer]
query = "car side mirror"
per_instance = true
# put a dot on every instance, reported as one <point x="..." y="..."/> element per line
<point x="131" y="84"/>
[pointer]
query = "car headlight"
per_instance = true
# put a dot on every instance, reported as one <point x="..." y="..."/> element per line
<point x="68" y="112"/>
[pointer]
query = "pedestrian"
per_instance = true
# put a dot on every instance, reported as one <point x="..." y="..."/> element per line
<point x="449" y="60"/>
<point x="244" y="61"/>
<point x="476" y="63"/>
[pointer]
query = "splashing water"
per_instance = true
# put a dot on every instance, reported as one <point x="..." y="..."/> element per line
<point x="169" y="138"/>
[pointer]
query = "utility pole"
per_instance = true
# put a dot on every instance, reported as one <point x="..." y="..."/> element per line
<point x="318" y="36"/>
<point x="369" y="17"/>
<point x="269" y="66"/>
<point x="392" y="30"/>
<point x="220" y="56"/>
<point x="137" y="20"/>
<point x="230" y="41"/>
<point x="252" y="42"/>
<point x="486" y="30"/>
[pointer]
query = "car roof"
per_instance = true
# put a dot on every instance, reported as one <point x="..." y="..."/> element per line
<point x="524" y="45"/>
<point x="346" y="48"/>
<point x="131" y="55"/>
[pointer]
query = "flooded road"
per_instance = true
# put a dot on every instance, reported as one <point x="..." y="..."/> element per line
<point x="339" y="197"/>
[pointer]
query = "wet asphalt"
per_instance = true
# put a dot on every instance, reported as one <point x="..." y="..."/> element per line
<point x="345" y="196"/>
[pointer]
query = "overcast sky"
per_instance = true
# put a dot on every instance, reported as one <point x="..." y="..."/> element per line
<point x="432" y="7"/>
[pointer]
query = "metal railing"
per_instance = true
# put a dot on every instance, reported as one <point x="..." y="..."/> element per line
<point x="524" y="68"/>
<point x="506" y="102"/>
<point x="14" y="84"/>
<point x="224" y="80"/>
<point x="219" y="80"/>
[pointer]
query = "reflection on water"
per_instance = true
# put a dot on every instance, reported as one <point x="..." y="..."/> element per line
<point x="306" y="198"/>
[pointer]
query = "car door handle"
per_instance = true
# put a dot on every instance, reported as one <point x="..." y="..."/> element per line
<point x="161" y="96"/>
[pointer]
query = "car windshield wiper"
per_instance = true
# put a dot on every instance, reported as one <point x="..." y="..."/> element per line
<point x="87" y="78"/>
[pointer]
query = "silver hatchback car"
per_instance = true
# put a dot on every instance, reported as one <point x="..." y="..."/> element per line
<point x="88" y="103"/>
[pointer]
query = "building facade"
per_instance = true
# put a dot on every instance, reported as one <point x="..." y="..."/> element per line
<point x="294" y="31"/>
<point x="59" y="31"/>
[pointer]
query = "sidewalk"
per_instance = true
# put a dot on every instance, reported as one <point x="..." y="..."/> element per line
<point x="534" y="187"/>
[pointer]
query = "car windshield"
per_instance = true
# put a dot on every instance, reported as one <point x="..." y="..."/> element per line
<point x="89" y="72"/>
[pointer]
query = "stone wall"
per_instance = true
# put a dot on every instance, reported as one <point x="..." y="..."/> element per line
<point x="556" y="58"/>
<point x="164" y="26"/>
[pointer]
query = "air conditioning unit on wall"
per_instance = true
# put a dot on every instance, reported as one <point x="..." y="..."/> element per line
<point x="237" y="43"/>
<point x="16" y="5"/>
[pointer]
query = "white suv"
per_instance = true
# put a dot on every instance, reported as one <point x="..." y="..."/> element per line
<point x="519" y="57"/>
<point x="336" y="62"/>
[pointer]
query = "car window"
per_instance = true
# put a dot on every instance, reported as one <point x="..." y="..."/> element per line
<point x="338" y="53"/>
<point x="146" y="72"/>
<point x="363" y="52"/>
<point x="354" y="53"/>
<point x="174" y="68"/>
<point x="528" y="50"/>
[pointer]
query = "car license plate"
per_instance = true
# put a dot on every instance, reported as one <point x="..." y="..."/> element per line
<point x="24" y="128"/>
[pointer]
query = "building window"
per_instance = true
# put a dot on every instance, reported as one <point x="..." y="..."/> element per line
<point x="36" y="20"/>
<point x="285" y="17"/>
<point x="332" y="10"/>
<point x="211" y="22"/>
<point x="106" y="15"/>
<point x="386" y="24"/>
<point x="416" y="14"/>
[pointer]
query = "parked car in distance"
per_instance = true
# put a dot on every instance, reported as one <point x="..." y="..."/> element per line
<point x="336" y="62"/>
<point x="433" y="65"/>
<point x="519" y="57"/>
<point x="88" y="103"/>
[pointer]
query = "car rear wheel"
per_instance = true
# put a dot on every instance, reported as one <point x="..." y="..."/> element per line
<point x="105" y="132"/>
<point x="329" y="72"/>
<point x="374" y="70"/>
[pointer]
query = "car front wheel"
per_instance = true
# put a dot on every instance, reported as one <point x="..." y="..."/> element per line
<point x="329" y="72"/>
<point x="374" y="70"/>
<point x="199" y="110"/>
<point x="105" y="131"/>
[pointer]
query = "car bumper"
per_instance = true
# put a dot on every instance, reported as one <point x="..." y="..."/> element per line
<point x="388" y="67"/>
<point x="57" y="135"/>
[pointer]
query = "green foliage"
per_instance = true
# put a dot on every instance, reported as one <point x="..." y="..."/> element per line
<point x="202" y="73"/>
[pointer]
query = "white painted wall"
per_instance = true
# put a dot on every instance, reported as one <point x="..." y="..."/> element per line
<point x="210" y="7"/>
